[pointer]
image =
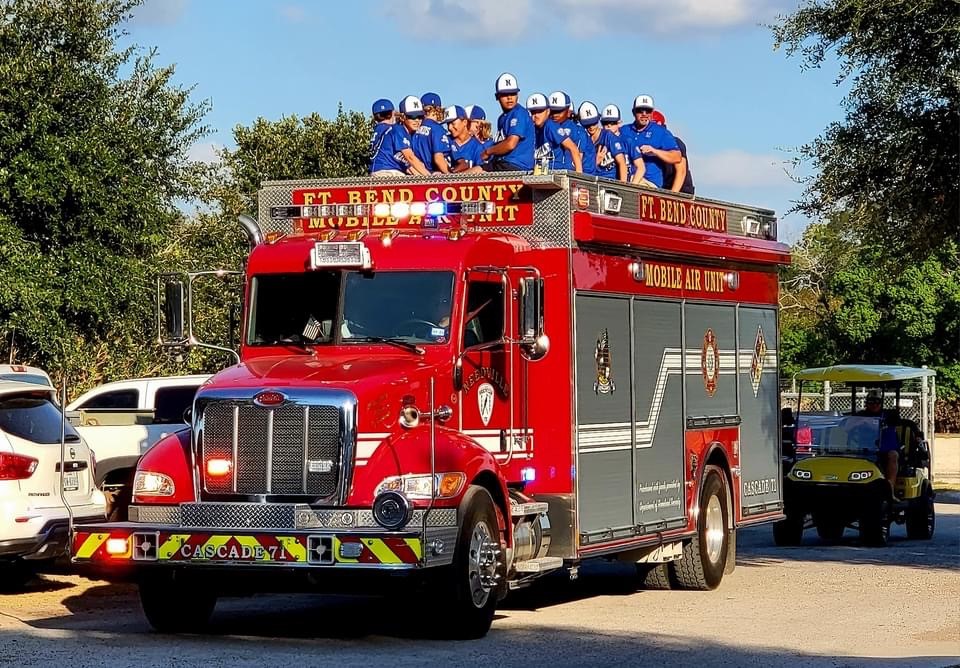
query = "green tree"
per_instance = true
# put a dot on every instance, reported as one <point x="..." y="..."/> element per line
<point x="893" y="163"/>
<point x="93" y="156"/>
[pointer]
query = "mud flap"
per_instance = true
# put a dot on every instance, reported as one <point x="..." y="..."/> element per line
<point x="731" y="564"/>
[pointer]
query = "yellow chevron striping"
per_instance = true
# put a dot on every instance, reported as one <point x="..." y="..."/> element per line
<point x="414" y="544"/>
<point x="172" y="545"/>
<point x="253" y="543"/>
<point x="91" y="545"/>
<point x="381" y="551"/>
<point x="294" y="547"/>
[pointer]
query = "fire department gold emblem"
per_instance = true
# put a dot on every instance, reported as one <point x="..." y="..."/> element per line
<point x="759" y="359"/>
<point x="604" y="383"/>
<point x="710" y="362"/>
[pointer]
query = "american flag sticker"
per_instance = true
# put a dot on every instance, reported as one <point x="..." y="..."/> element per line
<point x="312" y="329"/>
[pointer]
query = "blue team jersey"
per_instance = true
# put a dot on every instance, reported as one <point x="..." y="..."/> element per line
<point x="626" y="139"/>
<point x="658" y="137"/>
<point x="430" y="138"/>
<point x="517" y="123"/>
<point x="588" y="154"/>
<point x="389" y="155"/>
<point x="548" y="140"/>
<point x="379" y="132"/>
<point x="613" y="145"/>
<point x="469" y="151"/>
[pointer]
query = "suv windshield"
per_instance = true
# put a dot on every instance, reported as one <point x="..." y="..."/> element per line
<point x="336" y="306"/>
<point x="33" y="418"/>
<point x="853" y="435"/>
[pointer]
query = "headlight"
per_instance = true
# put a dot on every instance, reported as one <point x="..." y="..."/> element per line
<point x="803" y="474"/>
<point x="447" y="485"/>
<point x="861" y="475"/>
<point x="146" y="483"/>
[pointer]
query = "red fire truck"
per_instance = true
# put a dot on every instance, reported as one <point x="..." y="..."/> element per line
<point x="471" y="382"/>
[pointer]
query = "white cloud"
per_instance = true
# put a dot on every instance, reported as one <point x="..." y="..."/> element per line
<point x="293" y="13"/>
<point x="205" y="152"/>
<point x="159" y="12"/>
<point x="739" y="169"/>
<point x="463" y="20"/>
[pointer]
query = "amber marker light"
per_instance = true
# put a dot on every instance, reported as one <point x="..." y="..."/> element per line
<point x="218" y="467"/>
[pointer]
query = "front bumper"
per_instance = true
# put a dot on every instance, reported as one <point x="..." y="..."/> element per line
<point x="833" y="498"/>
<point x="260" y="537"/>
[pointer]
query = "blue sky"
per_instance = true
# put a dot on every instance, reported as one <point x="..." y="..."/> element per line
<point x="740" y="106"/>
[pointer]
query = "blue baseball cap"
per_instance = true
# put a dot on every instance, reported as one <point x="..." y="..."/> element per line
<point x="559" y="101"/>
<point x="589" y="115"/>
<point x="537" y="102"/>
<point x="454" y="112"/>
<point x="507" y="84"/>
<point x="476" y="113"/>
<point x="381" y="106"/>
<point x="611" y="114"/>
<point x="430" y="100"/>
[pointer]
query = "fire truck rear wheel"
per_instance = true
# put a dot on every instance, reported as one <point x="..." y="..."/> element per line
<point x="176" y="606"/>
<point x="705" y="556"/>
<point x="654" y="576"/>
<point x="478" y="571"/>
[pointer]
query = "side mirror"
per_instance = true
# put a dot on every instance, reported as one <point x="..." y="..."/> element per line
<point x="786" y="416"/>
<point x="171" y="310"/>
<point x="534" y="344"/>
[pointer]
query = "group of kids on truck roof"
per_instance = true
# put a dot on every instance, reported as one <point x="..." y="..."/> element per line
<point x="542" y="136"/>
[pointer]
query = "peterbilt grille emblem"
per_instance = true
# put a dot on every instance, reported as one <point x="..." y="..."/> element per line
<point x="270" y="398"/>
<point x="319" y="465"/>
<point x="604" y="383"/>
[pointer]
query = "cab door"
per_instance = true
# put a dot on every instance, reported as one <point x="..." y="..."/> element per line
<point x="486" y="395"/>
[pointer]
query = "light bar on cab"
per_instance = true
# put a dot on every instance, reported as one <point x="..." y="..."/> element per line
<point x="340" y="254"/>
<point x="398" y="210"/>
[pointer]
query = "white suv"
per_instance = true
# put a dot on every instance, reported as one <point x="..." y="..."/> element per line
<point x="34" y="518"/>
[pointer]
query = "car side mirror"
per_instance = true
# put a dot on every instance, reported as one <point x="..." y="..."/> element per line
<point x="534" y="343"/>
<point x="171" y="311"/>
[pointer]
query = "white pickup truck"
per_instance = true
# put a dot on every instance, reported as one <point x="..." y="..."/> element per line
<point x="122" y="419"/>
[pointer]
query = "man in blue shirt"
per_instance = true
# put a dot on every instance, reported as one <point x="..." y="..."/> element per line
<point x="550" y="143"/>
<point x="515" y="133"/>
<point x="479" y="125"/>
<point x="611" y="156"/>
<point x="675" y="177"/>
<point x="383" y="117"/>
<point x="610" y="119"/>
<point x="395" y="156"/>
<point x="465" y="149"/>
<point x="652" y="142"/>
<point x="567" y="156"/>
<point x="431" y="143"/>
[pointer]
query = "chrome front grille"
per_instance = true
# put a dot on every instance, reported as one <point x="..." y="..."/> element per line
<point x="289" y="450"/>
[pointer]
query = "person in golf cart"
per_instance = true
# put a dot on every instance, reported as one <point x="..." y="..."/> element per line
<point x="895" y="433"/>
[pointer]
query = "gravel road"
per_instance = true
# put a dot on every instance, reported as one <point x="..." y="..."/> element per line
<point x="818" y="604"/>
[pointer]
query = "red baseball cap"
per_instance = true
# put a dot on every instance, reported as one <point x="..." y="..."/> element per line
<point x="657" y="117"/>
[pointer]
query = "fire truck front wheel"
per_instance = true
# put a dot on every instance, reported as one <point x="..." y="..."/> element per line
<point x="173" y="605"/>
<point x="705" y="556"/>
<point x="468" y="590"/>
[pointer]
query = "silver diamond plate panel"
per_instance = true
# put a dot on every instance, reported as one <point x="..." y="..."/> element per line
<point x="363" y="519"/>
<point x="239" y="515"/>
<point x="552" y="201"/>
<point x="154" y="514"/>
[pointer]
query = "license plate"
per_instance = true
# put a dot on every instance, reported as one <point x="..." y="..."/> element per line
<point x="71" y="481"/>
<point x="249" y="548"/>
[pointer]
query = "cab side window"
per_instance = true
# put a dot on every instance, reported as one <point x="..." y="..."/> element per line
<point x="484" y="316"/>
<point x="113" y="399"/>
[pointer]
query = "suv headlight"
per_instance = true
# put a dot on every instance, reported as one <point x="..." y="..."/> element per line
<point x="147" y="483"/>
<point x="447" y="485"/>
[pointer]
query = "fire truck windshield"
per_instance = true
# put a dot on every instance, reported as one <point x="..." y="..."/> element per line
<point x="343" y="307"/>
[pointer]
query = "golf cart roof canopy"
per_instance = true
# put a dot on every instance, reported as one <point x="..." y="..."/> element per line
<point x="864" y="373"/>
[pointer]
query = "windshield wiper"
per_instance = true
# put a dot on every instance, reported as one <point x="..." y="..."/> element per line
<point x="400" y="343"/>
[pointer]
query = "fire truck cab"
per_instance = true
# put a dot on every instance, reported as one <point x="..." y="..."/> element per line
<point x="470" y="381"/>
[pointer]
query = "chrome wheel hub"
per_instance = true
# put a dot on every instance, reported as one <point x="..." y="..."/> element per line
<point x="482" y="563"/>
<point x="713" y="529"/>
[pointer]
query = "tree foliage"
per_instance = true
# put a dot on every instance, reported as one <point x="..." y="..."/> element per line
<point x="893" y="163"/>
<point x="93" y="155"/>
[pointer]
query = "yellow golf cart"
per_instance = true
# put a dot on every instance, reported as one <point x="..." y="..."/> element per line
<point x="834" y="469"/>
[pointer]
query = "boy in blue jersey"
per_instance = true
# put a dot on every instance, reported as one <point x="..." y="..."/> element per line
<point x="611" y="156"/>
<point x="384" y="119"/>
<point x="515" y="133"/>
<point x="479" y="125"/>
<point x="551" y="143"/>
<point x="652" y="142"/>
<point x="565" y="157"/>
<point x="610" y="120"/>
<point x="465" y="149"/>
<point x="431" y="143"/>
<point x="395" y="156"/>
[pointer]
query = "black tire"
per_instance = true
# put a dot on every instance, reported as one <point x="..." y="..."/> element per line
<point x="788" y="532"/>
<point x="705" y="556"/>
<point x="654" y="576"/>
<point x="875" y="523"/>
<point x="921" y="517"/>
<point x="829" y="527"/>
<point x="468" y="590"/>
<point x="15" y="575"/>
<point x="175" y="606"/>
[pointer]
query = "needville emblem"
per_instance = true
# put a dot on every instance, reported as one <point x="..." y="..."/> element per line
<point x="759" y="359"/>
<point x="485" y="402"/>
<point x="710" y="362"/>
<point x="604" y="383"/>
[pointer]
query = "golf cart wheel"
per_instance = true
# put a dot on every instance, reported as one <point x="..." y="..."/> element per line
<point x="875" y="523"/>
<point x="788" y="532"/>
<point x="921" y="517"/>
